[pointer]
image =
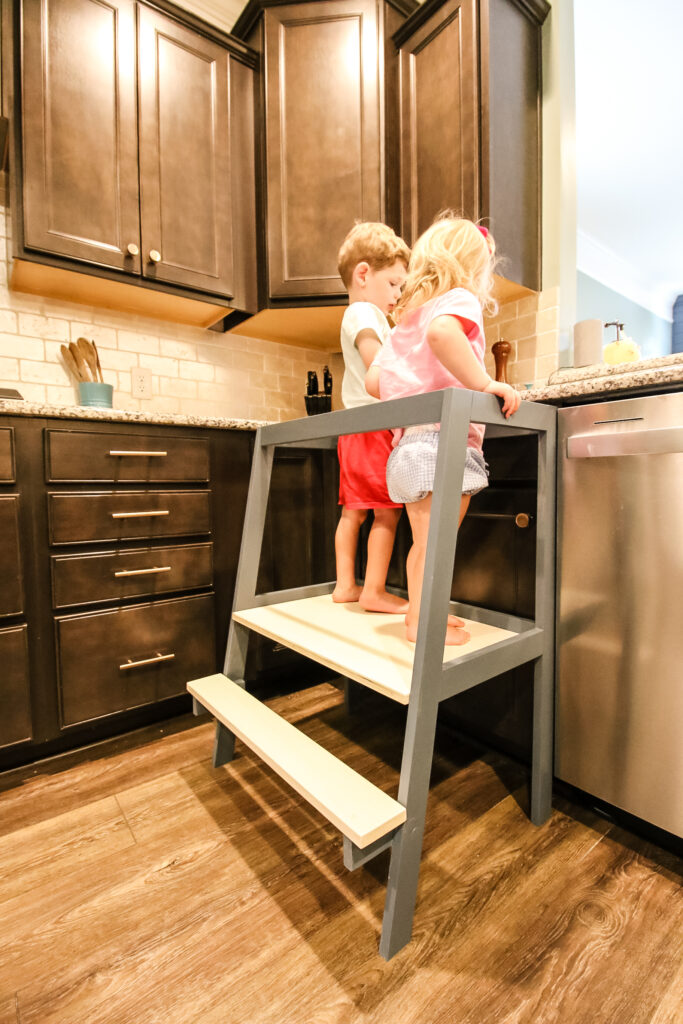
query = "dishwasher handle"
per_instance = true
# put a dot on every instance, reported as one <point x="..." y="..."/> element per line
<point x="655" y="441"/>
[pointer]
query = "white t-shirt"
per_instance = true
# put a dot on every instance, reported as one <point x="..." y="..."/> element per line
<point x="358" y="317"/>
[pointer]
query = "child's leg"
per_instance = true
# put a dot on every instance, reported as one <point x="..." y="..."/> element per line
<point x="419" y="513"/>
<point x="345" y="545"/>
<point x="374" y="597"/>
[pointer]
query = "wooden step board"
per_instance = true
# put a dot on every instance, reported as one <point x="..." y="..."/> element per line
<point x="366" y="646"/>
<point x="355" y="806"/>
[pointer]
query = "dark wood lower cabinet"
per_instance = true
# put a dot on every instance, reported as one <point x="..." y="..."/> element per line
<point x="127" y="657"/>
<point x="106" y="611"/>
<point x="103" y="620"/>
<point x="15" y="694"/>
<point x="11" y="589"/>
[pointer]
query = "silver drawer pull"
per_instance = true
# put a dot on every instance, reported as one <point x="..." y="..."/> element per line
<point x="137" y="515"/>
<point x="143" y="572"/>
<point x="146" y="661"/>
<point x="145" y="454"/>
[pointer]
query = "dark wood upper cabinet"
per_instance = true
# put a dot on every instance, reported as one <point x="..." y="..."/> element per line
<point x="470" y="85"/>
<point x="322" y="139"/>
<point x="186" y="224"/>
<point x="137" y="147"/>
<point x="79" y="129"/>
<point x="439" y="70"/>
<point x="327" y="123"/>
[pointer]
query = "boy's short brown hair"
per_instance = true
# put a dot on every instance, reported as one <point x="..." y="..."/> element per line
<point x="376" y="244"/>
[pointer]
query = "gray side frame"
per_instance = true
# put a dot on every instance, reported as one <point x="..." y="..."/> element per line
<point x="432" y="680"/>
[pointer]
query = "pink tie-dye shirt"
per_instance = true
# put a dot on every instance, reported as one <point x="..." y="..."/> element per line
<point x="409" y="367"/>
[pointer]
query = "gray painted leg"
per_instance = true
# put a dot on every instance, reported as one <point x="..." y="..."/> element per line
<point x="197" y="708"/>
<point x="354" y="857"/>
<point x="223" y="745"/>
<point x="542" y="752"/>
<point x="406" y="848"/>
<point x="418" y="749"/>
<point x="352" y="696"/>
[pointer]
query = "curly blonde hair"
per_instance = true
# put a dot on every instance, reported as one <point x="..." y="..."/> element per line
<point x="452" y="253"/>
<point x="373" y="243"/>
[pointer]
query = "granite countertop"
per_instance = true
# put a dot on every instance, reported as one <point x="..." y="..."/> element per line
<point x="575" y="381"/>
<point x="84" y="412"/>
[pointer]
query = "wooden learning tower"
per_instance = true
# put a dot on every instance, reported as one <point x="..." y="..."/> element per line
<point x="355" y="645"/>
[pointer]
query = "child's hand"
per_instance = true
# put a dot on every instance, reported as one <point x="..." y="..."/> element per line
<point x="511" y="398"/>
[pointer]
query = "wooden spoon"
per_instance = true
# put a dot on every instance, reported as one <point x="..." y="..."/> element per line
<point x="85" y="348"/>
<point x="97" y="358"/>
<point x="80" y="362"/>
<point x="70" y="363"/>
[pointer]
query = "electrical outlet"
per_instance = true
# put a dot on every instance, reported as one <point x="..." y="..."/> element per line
<point x="141" y="382"/>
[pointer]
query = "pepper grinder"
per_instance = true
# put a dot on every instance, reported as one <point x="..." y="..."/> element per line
<point x="501" y="351"/>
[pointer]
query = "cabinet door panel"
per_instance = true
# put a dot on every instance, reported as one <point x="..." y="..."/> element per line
<point x="6" y="455"/>
<point x="184" y="156"/>
<point x="11" y="589"/>
<point x="95" y="651"/>
<point x="440" y="118"/>
<point x="322" y="139"/>
<point x="15" y="699"/>
<point x="80" y="138"/>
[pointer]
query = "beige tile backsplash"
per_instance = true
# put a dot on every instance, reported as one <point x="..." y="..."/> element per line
<point x="200" y="372"/>
<point x="531" y="325"/>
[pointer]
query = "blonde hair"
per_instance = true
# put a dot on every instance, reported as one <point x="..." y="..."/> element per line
<point x="372" y="243"/>
<point x="452" y="253"/>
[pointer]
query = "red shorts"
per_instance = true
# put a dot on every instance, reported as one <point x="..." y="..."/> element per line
<point x="363" y="470"/>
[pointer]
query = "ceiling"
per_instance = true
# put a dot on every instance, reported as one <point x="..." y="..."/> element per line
<point x="629" y="146"/>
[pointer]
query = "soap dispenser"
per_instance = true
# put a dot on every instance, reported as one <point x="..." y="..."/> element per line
<point x="622" y="349"/>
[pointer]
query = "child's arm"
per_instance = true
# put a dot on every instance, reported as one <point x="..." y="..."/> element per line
<point x="368" y="344"/>
<point x="449" y="344"/>
<point x="372" y="381"/>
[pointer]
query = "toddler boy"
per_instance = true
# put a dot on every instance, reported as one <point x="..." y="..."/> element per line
<point x="373" y="263"/>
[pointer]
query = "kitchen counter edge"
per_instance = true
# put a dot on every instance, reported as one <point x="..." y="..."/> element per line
<point x="9" y="407"/>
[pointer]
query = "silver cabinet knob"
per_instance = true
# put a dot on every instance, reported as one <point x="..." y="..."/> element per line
<point x="154" y="255"/>
<point x="132" y="249"/>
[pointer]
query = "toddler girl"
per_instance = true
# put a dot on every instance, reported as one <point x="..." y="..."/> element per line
<point x="439" y="342"/>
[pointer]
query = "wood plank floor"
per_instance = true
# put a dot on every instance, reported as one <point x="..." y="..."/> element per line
<point x="147" y="887"/>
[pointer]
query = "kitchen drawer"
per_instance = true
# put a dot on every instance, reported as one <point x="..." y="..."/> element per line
<point x="79" y="456"/>
<point x="15" y="696"/>
<point x="126" y="515"/>
<point x="164" y="643"/>
<point x="6" y="455"/>
<point x="11" y="590"/>
<point x="111" y="575"/>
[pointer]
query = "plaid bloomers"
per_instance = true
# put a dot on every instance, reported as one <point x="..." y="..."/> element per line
<point x="412" y="466"/>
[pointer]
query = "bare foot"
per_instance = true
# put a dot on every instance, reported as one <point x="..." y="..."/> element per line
<point x="346" y="595"/>
<point x="453" y="620"/>
<point x="455" y="637"/>
<point x="383" y="602"/>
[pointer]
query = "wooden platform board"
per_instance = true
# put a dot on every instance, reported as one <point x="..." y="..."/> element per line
<point x="358" y="808"/>
<point x="366" y="646"/>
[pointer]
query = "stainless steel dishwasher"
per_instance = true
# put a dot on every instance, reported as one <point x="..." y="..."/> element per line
<point x="619" y="710"/>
